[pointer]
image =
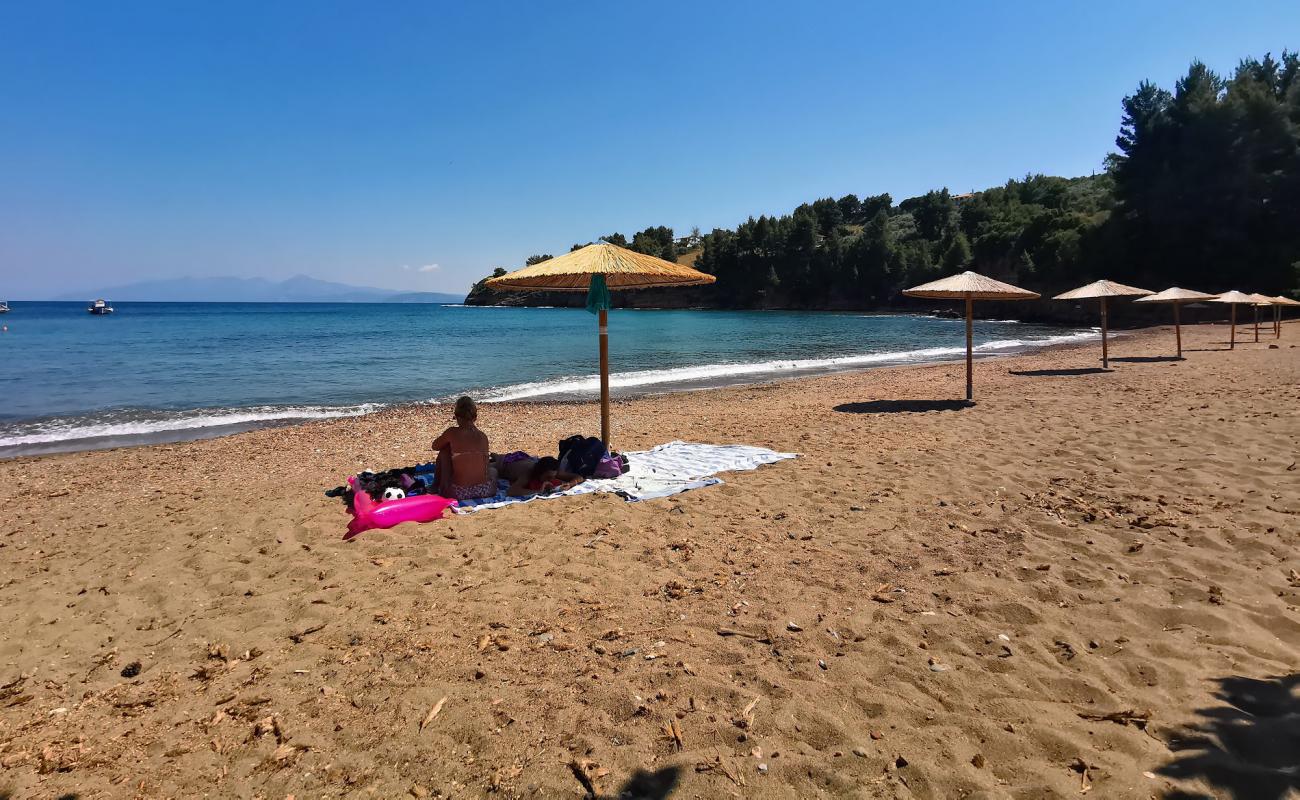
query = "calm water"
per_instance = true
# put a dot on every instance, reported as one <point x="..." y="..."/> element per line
<point x="181" y="370"/>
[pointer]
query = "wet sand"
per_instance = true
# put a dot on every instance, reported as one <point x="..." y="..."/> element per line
<point x="1087" y="580"/>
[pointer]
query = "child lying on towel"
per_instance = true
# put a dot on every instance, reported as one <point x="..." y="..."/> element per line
<point x="544" y="477"/>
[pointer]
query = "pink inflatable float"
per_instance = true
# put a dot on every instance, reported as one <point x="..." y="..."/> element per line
<point x="367" y="514"/>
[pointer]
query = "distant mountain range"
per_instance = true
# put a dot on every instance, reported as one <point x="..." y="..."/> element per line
<point x="298" y="289"/>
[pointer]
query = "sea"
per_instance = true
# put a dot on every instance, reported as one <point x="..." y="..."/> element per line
<point x="157" y="372"/>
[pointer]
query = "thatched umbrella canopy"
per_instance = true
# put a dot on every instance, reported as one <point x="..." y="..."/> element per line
<point x="970" y="286"/>
<point x="598" y="269"/>
<point x="1176" y="297"/>
<point x="1103" y="291"/>
<point x="1233" y="299"/>
<point x="1278" y="302"/>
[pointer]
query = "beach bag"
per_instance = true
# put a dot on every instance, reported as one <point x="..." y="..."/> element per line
<point x="581" y="455"/>
<point x="608" y="467"/>
<point x="611" y="466"/>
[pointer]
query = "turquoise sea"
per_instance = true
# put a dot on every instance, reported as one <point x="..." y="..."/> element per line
<point x="171" y="371"/>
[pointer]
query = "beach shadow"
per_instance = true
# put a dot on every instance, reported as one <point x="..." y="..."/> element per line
<point x="1044" y="373"/>
<point x="1147" y="359"/>
<point x="649" y="785"/>
<point x="1249" y="746"/>
<point x="897" y="406"/>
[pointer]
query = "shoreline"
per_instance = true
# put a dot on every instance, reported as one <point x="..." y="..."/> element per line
<point x="934" y="599"/>
<point x="765" y="373"/>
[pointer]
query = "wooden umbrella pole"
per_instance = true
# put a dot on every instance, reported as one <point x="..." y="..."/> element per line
<point x="604" y="376"/>
<point x="1256" y="321"/>
<point x="970" y="311"/>
<point x="1178" y="331"/>
<point x="1105" y="357"/>
<point x="1232" y="337"/>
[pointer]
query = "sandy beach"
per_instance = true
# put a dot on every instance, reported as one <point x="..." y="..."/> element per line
<point x="1087" y="582"/>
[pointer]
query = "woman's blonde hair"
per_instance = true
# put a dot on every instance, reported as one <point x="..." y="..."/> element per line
<point x="466" y="410"/>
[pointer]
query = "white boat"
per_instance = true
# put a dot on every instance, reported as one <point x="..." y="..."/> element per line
<point x="100" y="307"/>
<point x="4" y="307"/>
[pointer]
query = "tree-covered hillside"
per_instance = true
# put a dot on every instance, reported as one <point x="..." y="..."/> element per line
<point x="1204" y="192"/>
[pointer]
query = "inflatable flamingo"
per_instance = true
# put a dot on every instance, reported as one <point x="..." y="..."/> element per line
<point x="367" y="514"/>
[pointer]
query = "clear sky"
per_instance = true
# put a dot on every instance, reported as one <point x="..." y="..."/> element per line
<point x="364" y="141"/>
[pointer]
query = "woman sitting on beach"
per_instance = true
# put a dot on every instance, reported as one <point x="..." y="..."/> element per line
<point x="463" y="470"/>
<point x="544" y="476"/>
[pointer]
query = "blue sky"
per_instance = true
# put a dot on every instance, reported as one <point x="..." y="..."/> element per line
<point x="361" y="142"/>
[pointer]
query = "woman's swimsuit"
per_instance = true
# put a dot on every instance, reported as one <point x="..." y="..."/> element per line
<point x="475" y="492"/>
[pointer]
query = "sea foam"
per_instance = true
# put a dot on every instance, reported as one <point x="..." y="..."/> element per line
<point x="132" y="423"/>
<point x="122" y="426"/>
<point x="706" y="374"/>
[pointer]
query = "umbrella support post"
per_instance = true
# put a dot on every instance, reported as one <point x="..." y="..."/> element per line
<point x="1232" y="337"/>
<point x="604" y="376"/>
<point x="1256" y="324"/>
<point x="970" y="310"/>
<point x="1105" y="355"/>
<point x="1178" y="331"/>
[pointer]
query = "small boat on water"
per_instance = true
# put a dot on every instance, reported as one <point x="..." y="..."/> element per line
<point x="100" y="307"/>
<point x="4" y="307"/>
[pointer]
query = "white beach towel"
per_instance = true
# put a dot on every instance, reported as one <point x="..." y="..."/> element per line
<point x="665" y="470"/>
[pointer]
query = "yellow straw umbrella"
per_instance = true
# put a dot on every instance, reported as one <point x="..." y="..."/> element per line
<point x="1259" y="301"/>
<point x="1102" y="290"/>
<point x="1278" y="302"/>
<point x="598" y="269"/>
<point x="1233" y="299"/>
<point x="969" y="286"/>
<point x="1176" y="297"/>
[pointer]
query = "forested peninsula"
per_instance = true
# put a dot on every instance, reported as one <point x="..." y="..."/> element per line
<point x="1203" y="191"/>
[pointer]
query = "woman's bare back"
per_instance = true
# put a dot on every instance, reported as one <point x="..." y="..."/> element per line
<point x="469" y="454"/>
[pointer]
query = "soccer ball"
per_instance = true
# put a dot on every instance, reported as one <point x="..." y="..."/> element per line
<point x="393" y="493"/>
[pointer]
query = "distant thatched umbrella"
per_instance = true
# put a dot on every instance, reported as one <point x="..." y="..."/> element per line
<point x="1103" y="290"/>
<point x="1233" y="299"/>
<point x="1259" y="301"/>
<point x="970" y="286"/>
<point x="1278" y="302"/>
<point x="598" y="269"/>
<point x="1176" y="297"/>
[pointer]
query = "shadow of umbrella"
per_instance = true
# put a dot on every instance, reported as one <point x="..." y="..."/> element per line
<point x="644" y="785"/>
<point x="1249" y="747"/>
<point x="1043" y="373"/>
<point x="903" y="406"/>
<point x="1148" y="359"/>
